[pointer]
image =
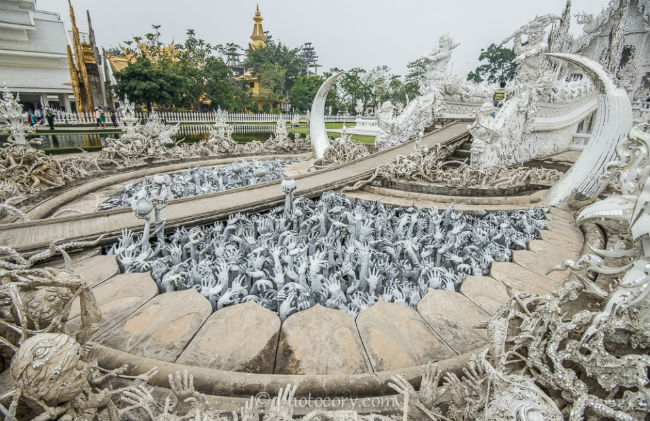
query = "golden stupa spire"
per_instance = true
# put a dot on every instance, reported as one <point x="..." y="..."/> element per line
<point x="258" y="36"/>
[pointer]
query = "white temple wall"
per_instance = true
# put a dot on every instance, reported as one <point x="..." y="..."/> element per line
<point x="33" y="57"/>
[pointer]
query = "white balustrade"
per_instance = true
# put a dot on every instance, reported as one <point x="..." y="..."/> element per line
<point x="173" y="117"/>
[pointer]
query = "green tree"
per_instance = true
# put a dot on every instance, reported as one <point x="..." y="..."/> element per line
<point x="500" y="65"/>
<point x="192" y="63"/>
<point x="354" y="87"/>
<point x="146" y="83"/>
<point x="303" y="91"/>
<point x="278" y="54"/>
<point x="273" y="79"/>
<point x="417" y="71"/>
<point x="218" y="86"/>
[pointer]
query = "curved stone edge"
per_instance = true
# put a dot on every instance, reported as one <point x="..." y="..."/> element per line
<point x="231" y="383"/>
<point x="441" y="202"/>
<point x="44" y="208"/>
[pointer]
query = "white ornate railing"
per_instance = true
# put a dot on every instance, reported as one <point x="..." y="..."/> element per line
<point x="196" y="129"/>
<point x="172" y="117"/>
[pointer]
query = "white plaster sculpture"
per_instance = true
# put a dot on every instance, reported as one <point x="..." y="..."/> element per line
<point x="288" y="187"/>
<point x="317" y="131"/>
<point x="156" y="129"/>
<point x="337" y="252"/>
<point x="359" y="107"/>
<point x="613" y="122"/>
<point x="571" y="348"/>
<point x="525" y="128"/>
<point x="204" y="180"/>
<point x="398" y="126"/>
<point x="342" y="149"/>
<point x="281" y="128"/>
<point x="128" y="119"/>
<point x="11" y="111"/>
<point x="25" y="171"/>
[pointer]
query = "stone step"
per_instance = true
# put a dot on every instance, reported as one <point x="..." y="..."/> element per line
<point x="243" y="337"/>
<point x="95" y="270"/>
<point x="320" y="340"/>
<point x="567" y="229"/>
<point x="561" y="213"/>
<point x="563" y="240"/>
<point x="396" y="336"/>
<point x="117" y="298"/>
<point x="553" y="249"/>
<point x="522" y="279"/>
<point x="453" y="316"/>
<point x="485" y="292"/>
<point x="162" y="327"/>
<point x="540" y="263"/>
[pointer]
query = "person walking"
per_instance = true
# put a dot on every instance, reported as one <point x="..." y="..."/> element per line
<point x="102" y="117"/>
<point x="97" y="117"/>
<point x="499" y="96"/>
<point x="50" y="118"/>
<point x="31" y="117"/>
<point x="38" y="115"/>
<point x="113" y="117"/>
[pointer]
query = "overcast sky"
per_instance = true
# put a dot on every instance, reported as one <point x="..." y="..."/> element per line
<point x="345" y="33"/>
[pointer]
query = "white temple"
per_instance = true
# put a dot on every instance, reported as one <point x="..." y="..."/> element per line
<point x="33" y="60"/>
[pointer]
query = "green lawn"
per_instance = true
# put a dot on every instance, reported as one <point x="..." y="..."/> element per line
<point x="359" y="138"/>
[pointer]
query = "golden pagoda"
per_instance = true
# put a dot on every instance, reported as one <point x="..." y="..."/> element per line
<point x="83" y="53"/>
<point x="258" y="36"/>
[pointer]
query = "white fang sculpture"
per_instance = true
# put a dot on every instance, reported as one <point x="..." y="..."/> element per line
<point x="319" y="141"/>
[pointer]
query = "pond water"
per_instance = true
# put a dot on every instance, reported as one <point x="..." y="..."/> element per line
<point x="75" y="140"/>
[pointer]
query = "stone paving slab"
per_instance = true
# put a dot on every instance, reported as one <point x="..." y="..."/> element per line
<point x="522" y="279"/>
<point x="559" y="252"/>
<point x="540" y="263"/>
<point x="396" y="336"/>
<point x="485" y="292"/>
<point x="320" y="340"/>
<point x="243" y="337"/>
<point x="161" y="328"/>
<point x="567" y="229"/>
<point x="557" y="237"/>
<point x="117" y="298"/>
<point x="453" y="317"/>
<point x="556" y="214"/>
<point x="95" y="270"/>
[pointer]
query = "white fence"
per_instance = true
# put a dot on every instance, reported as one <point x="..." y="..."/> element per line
<point x="173" y="117"/>
<point x="195" y="129"/>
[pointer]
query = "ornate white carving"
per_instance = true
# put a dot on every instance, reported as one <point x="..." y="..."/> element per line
<point x="11" y="111"/>
<point x="439" y="87"/>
